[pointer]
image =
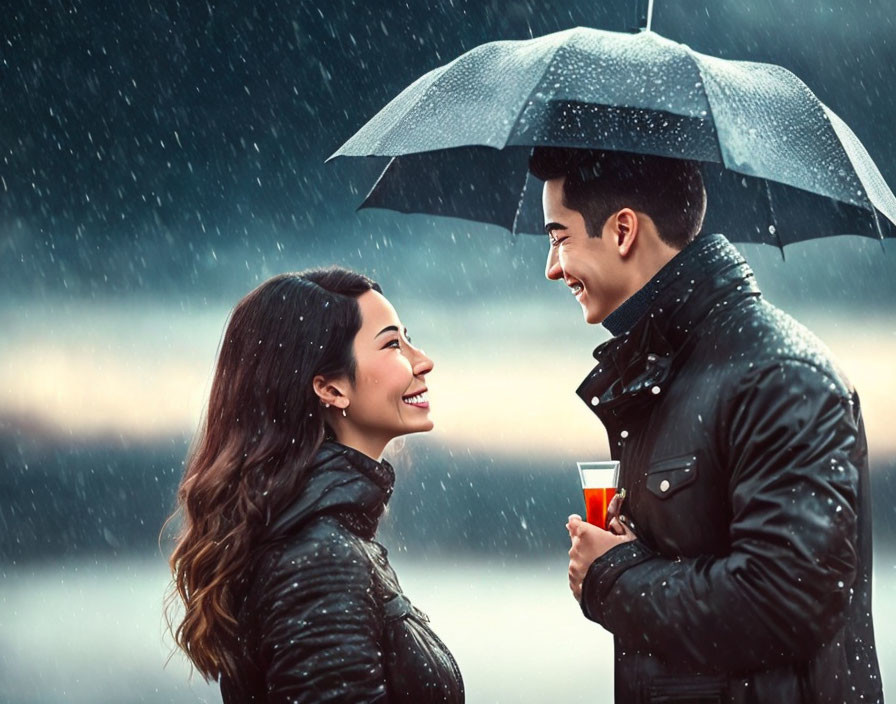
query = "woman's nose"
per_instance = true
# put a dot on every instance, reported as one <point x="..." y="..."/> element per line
<point x="422" y="364"/>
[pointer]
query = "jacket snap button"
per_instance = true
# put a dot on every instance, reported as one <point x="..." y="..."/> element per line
<point x="595" y="400"/>
<point x="664" y="485"/>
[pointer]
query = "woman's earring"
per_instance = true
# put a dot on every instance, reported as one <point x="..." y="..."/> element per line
<point x="326" y="405"/>
<point x="344" y="414"/>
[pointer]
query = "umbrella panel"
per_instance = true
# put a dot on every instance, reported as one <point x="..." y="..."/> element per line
<point x="589" y="126"/>
<point x="473" y="183"/>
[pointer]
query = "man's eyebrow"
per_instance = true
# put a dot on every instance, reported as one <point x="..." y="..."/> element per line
<point x="551" y="226"/>
<point x="388" y="328"/>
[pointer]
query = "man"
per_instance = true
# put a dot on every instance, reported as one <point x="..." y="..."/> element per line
<point x="738" y="568"/>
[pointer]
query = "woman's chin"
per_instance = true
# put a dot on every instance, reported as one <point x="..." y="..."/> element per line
<point x="421" y="426"/>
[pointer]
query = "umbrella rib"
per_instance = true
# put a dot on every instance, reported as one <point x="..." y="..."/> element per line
<point x="768" y="193"/>
<point x="771" y="210"/>
<point x="532" y="92"/>
<point x="519" y="205"/>
<point x="712" y="117"/>
<point x="844" y="133"/>
<point x="516" y="122"/>
<point x="362" y="204"/>
<point x="880" y="232"/>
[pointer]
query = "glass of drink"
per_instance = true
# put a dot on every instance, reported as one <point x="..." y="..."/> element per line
<point x="599" y="485"/>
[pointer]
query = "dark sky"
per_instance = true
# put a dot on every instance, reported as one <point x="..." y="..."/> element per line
<point x="158" y="147"/>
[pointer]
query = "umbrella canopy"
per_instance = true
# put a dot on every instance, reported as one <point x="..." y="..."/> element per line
<point x="779" y="165"/>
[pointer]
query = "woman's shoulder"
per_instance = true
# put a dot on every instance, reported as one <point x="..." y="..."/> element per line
<point x="322" y="564"/>
<point x="320" y="546"/>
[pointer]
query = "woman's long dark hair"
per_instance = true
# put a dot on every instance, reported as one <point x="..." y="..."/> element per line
<point x="263" y="426"/>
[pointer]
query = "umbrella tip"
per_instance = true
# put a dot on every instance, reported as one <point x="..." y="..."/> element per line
<point x="643" y="15"/>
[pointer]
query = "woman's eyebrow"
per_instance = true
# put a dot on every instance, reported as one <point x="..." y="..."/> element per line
<point x="388" y="328"/>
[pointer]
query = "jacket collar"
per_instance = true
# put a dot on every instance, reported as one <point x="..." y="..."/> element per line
<point x="343" y="482"/>
<point x="632" y="368"/>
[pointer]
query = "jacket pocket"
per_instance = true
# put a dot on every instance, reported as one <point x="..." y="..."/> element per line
<point x="667" y="476"/>
<point x="695" y="689"/>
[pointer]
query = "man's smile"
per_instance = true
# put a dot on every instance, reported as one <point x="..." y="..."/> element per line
<point x="575" y="286"/>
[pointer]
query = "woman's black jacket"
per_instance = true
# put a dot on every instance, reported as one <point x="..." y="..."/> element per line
<point x="323" y="618"/>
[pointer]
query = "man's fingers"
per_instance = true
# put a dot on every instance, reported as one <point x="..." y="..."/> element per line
<point x="617" y="527"/>
<point x="615" y="505"/>
<point x="575" y="585"/>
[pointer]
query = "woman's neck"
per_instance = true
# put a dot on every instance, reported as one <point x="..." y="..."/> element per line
<point x="372" y="447"/>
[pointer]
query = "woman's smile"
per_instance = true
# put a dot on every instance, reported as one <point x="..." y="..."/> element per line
<point x="419" y="399"/>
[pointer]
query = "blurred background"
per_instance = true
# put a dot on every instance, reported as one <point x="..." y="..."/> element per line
<point x="160" y="159"/>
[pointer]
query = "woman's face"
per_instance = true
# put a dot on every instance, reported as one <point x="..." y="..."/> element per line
<point x="388" y="397"/>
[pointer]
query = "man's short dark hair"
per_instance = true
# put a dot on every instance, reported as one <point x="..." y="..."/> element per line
<point x="600" y="183"/>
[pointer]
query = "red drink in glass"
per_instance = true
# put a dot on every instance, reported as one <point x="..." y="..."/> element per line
<point x="596" y="503"/>
<point x="599" y="486"/>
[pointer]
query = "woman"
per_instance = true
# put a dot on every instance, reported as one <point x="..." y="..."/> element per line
<point x="288" y="598"/>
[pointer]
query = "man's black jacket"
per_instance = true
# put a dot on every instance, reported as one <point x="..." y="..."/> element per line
<point x="745" y="464"/>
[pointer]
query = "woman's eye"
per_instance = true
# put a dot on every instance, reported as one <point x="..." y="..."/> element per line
<point x="396" y="344"/>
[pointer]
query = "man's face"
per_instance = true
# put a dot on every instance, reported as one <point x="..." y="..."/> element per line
<point x="591" y="267"/>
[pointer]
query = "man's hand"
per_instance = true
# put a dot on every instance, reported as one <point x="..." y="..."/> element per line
<point x="589" y="543"/>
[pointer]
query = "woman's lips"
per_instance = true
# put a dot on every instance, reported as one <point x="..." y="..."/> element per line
<point x="418" y="400"/>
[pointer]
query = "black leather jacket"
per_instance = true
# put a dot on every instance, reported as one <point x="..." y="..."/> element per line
<point x="744" y="459"/>
<point x="324" y="619"/>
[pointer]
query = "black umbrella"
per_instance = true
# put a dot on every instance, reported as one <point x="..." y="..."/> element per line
<point x="779" y="165"/>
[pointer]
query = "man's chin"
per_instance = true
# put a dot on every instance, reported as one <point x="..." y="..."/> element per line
<point x="593" y="317"/>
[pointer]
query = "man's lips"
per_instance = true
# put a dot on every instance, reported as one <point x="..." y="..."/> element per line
<point x="575" y="287"/>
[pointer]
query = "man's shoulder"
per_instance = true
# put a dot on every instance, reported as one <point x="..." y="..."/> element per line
<point x="761" y="337"/>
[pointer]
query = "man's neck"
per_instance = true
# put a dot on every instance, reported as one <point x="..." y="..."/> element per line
<point x="633" y="308"/>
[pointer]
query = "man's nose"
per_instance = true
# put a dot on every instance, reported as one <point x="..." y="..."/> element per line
<point x="552" y="268"/>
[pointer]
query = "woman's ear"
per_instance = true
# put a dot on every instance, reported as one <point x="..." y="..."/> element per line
<point x="330" y="391"/>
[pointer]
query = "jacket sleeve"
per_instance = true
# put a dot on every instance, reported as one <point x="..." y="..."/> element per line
<point x="319" y="627"/>
<point x="783" y="588"/>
